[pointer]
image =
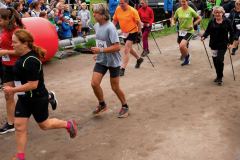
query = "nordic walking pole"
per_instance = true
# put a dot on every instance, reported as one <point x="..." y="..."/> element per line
<point x="231" y="63"/>
<point x="147" y="56"/>
<point x="150" y="60"/>
<point x="207" y="54"/>
<point x="156" y="42"/>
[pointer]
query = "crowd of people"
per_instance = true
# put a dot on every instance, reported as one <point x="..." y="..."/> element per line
<point x="22" y="71"/>
<point x="70" y="19"/>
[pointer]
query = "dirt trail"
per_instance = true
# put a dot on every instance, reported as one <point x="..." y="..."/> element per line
<point x="176" y="113"/>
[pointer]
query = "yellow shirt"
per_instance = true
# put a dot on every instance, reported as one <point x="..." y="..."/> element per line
<point x="128" y="20"/>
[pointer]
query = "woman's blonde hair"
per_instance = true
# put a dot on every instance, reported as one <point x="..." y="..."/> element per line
<point x="25" y="37"/>
<point x="102" y="9"/>
<point x="218" y="8"/>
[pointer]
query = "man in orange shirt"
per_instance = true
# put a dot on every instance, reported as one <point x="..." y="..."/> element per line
<point x="130" y="24"/>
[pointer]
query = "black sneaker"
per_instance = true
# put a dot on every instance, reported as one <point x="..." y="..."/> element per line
<point x="122" y="71"/>
<point x="144" y="53"/>
<point x="123" y="113"/>
<point x="234" y="50"/>
<point x="139" y="62"/>
<point x="7" y="128"/>
<point x="99" y="109"/>
<point x="52" y="100"/>
<point x="215" y="80"/>
<point x="220" y="81"/>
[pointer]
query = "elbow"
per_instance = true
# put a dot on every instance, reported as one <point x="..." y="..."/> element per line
<point x="34" y="85"/>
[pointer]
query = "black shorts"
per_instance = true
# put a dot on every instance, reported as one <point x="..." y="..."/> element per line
<point x="38" y="107"/>
<point x="8" y="74"/>
<point x="187" y="37"/>
<point x="114" y="71"/>
<point x="134" y="37"/>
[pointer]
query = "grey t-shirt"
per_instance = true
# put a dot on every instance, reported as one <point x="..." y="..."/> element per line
<point x="106" y="35"/>
<point x="85" y="16"/>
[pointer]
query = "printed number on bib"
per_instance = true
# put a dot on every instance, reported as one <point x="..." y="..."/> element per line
<point x="101" y="44"/>
<point x="182" y="33"/>
<point x="214" y="53"/>
<point x="5" y="58"/>
<point x="18" y="83"/>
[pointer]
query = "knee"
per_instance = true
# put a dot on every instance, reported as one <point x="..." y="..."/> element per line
<point x="19" y="127"/>
<point x="115" y="88"/>
<point x="43" y="126"/>
<point x="94" y="84"/>
<point x="182" y="46"/>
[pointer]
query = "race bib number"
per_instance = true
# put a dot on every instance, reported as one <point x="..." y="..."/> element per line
<point x="18" y="83"/>
<point x="182" y="33"/>
<point x="238" y="26"/>
<point x="214" y="53"/>
<point x="101" y="44"/>
<point x="6" y="58"/>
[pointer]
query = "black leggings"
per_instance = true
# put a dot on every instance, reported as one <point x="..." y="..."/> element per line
<point x="218" y="62"/>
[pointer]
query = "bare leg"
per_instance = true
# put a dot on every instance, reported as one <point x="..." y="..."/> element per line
<point x="116" y="88"/>
<point x="127" y="48"/>
<point x="52" y="123"/>
<point x="96" y="81"/>
<point x="183" y="48"/>
<point x="10" y="104"/>
<point x="134" y="53"/>
<point x="21" y="134"/>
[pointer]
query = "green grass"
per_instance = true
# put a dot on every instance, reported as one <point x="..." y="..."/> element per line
<point x="94" y="2"/>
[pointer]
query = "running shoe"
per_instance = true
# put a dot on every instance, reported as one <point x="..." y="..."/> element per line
<point x="144" y="53"/>
<point x="53" y="100"/>
<point x="123" y="113"/>
<point x="186" y="60"/>
<point x="15" y="158"/>
<point x="73" y="128"/>
<point x="7" y="128"/>
<point x="99" y="109"/>
<point x="215" y="80"/>
<point x="220" y="81"/>
<point x="139" y="62"/>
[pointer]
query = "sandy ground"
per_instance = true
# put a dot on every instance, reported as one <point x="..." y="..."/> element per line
<point x="176" y="113"/>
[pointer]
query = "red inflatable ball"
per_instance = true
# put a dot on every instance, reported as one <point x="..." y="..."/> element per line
<point x="44" y="33"/>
